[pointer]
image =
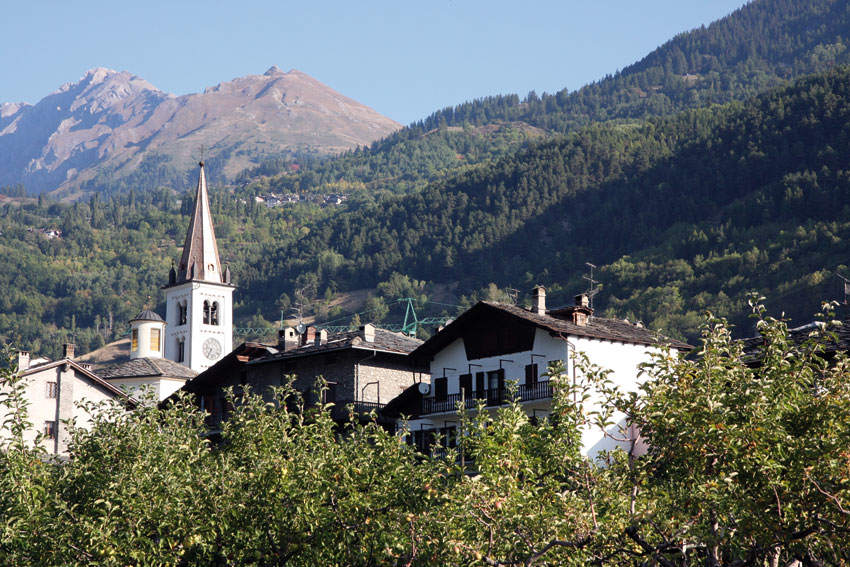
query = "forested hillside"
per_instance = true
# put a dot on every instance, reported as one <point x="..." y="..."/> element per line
<point x="681" y="211"/>
<point x="686" y="212"/>
<point x="758" y="47"/>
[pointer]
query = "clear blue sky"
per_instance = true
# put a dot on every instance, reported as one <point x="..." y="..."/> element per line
<point x="404" y="58"/>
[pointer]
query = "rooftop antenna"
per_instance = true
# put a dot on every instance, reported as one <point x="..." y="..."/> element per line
<point x="591" y="289"/>
<point x="299" y="310"/>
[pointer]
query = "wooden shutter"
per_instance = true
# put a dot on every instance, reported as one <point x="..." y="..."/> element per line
<point x="441" y="389"/>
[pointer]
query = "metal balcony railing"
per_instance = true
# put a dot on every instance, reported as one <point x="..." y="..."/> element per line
<point x="496" y="397"/>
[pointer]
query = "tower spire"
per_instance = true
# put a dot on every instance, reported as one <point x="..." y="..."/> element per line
<point x="200" y="261"/>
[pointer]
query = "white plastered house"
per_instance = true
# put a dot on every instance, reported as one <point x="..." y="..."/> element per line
<point x="54" y="392"/>
<point x="475" y="357"/>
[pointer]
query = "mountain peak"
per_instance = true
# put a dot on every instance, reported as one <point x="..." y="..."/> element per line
<point x="98" y="74"/>
<point x="273" y="70"/>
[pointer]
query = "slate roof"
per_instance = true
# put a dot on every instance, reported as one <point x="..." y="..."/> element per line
<point x="139" y="367"/>
<point x="147" y="315"/>
<point x="798" y="335"/>
<point x="83" y="371"/>
<point x="596" y="328"/>
<point x="386" y="341"/>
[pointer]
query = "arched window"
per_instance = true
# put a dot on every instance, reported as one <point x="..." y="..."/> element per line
<point x="181" y="350"/>
<point x="214" y="313"/>
<point x="181" y="312"/>
<point x="206" y="312"/>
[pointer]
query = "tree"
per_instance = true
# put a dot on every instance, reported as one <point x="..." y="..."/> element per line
<point x="748" y="458"/>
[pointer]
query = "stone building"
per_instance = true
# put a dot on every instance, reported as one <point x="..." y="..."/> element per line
<point x="364" y="369"/>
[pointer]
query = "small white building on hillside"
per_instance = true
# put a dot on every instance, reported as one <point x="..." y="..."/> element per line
<point x="490" y="344"/>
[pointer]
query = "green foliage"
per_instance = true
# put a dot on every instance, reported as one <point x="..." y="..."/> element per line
<point x="747" y="464"/>
<point x="748" y="454"/>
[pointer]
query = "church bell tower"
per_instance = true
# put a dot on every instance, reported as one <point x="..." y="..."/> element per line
<point x="199" y="294"/>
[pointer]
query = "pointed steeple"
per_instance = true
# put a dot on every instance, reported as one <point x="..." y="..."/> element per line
<point x="200" y="261"/>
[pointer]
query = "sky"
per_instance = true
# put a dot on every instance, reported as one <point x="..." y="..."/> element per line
<point x="403" y="58"/>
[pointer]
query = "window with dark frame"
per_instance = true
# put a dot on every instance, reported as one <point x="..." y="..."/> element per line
<point x="181" y="350"/>
<point x="134" y="344"/>
<point x="329" y="393"/>
<point x="52" y="389"/>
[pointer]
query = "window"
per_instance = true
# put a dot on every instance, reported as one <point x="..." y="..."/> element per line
<point x="52" y="390"/>
<point x="496" y="379"/>
<point x="441" y="389"/>
<point x="134" y="344"/>
<point x="214" y="313"/>
<point x="181" y="313"/>
<point x="206" y="320"/>
<point x="532" y="375"/>
<point x="50" y="429"/>
<point x="181" y="350"/>
<point x="155" y="339"/>
<point x="330" y="393"/>
<point x="495" y="386"/>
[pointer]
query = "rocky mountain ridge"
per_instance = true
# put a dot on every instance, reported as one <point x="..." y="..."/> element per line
<point x="116" y="120"/>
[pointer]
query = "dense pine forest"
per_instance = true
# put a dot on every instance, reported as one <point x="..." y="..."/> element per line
<point x="715" y="166"/>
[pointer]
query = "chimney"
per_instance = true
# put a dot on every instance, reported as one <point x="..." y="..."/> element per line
<point x="23" y="360"/>
<point x="538" y="300"/>
<point x="287" y="339"/>
<point x="68" y="351"/>
<point x="321" y="337"/>
<point x="368" y="332"/>
<point x="582" y="311"/>
<point x="309" y="336"/>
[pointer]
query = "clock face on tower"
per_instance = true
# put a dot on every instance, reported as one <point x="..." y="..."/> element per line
<point x="212" y="348"/>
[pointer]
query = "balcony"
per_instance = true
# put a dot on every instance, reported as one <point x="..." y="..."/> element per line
<point x="525" y="393"/>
